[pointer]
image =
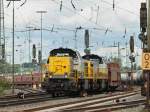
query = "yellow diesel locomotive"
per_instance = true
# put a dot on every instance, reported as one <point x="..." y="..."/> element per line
<point x="69" y="73"/>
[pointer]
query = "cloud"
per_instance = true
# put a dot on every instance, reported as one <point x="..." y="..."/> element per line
<point x="84" y="15"/>
<point x="113" y="52"/>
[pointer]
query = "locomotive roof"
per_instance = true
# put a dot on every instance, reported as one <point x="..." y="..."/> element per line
<point x="93" y="56"/>
<point x="71" y="52"/>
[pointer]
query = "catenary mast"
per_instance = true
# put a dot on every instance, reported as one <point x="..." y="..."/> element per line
<point x="2" y="31"/>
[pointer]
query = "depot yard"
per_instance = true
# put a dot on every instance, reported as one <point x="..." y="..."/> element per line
<point x="74" y="56"/>
<point x="62" y="104"/>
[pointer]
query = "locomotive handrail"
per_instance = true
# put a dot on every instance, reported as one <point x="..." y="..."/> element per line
<point x="71" y="52"/>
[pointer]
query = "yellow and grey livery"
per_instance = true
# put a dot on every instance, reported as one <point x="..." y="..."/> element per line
<point x="68" y="72"/>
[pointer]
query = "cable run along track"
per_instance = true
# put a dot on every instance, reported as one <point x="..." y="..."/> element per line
<point x="12" y="97"/>
<point x="83" y="103"/>
<point x="108" y="107"/>
<point x="29" y="99"/>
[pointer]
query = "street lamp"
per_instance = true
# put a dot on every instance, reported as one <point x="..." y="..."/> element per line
<point x="41" y="12"/>
<point x="29" y="40"/>
<point x="13" y="38"/>
<point x="20" y="53"/>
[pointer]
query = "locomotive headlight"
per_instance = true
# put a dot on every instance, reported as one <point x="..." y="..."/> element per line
<point x="66" y="75"/>
<point x="50" y="76"/>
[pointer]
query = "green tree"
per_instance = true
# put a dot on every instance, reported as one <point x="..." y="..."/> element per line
<point x="4" y="85"/>
<point x="3" y="67"/>
<point x="7" y="68"/>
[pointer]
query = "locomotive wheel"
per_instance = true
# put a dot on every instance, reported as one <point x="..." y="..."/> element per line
<point x="83" y="94"/>
<point x="58" y="94"/>
<point x="53" y="95"/>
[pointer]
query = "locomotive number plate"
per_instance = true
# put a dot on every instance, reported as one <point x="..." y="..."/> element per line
<point x="146" y="61"/>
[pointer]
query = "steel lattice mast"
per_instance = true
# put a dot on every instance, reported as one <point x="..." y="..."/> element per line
<point x="2" y="31"/>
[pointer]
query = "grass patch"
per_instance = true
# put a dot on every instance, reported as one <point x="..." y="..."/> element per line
<point x="4" y="85"/>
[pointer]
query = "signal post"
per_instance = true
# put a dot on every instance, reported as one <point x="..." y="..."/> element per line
<point x="146" y="71"/>
<point x="145" y="38"/>
<point x="148" y="55"/>
<point x="132" y="59"/>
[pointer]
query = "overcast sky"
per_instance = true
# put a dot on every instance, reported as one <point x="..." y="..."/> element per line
<point x="123" y="18"/>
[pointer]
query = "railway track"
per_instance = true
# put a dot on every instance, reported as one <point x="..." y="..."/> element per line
<point x="83" y="103"/>
<point x="108" y="107"/>
<point x="33" y="98"/>
<point x="28" y="95"/>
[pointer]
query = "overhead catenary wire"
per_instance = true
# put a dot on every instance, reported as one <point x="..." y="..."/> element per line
<point x="81" y="15"/>
<point x="73" y="4"/>
<point x="100" y="1"/>
<point x="22" y="15"/>
<point x="91" y="14"/>
<point x="90" y="20"/>
<point x="104" y="29"/>
<point x="121" y="8"/>
<point x="23" y="3"/>
<point x="97" y="14"/>
<point x="61" y="5"/>
<point x="64" y="6"/>
<point x="114" y="5"/>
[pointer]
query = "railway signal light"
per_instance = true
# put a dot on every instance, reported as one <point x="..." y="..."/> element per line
<point x="39" y="56"/>
<point x="87" y="51"/>
<point x="87" y="43"/>
<point x="132" y="44"/>
<point x="34" y="61"/>
<point x="132" y="58"/>
<point x="34" y="51"/>
<point x="86" y="38"/>
<point x="3" y="51"/>
<point x="143" y="17"/>
<point x="143" y="38"/>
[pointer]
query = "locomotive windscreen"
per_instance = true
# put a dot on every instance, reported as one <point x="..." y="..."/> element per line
<point x="63" y="52"/>
<point x="93" y="56"/>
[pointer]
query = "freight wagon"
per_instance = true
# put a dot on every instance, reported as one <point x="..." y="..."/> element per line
<point x="27" y="79"/>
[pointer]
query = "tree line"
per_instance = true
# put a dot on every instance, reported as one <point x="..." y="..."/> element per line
<point x="7" y="67"/>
